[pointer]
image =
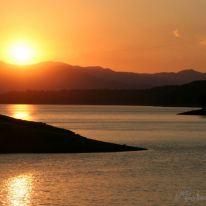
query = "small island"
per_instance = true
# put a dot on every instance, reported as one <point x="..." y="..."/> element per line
<point x="20" y="136"/>
<point x="200" y="112"/>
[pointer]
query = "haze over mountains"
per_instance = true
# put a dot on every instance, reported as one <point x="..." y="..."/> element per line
<point x="60" y="76"/>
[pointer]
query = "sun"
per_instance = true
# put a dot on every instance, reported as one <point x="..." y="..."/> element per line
<point x="21" y="53"/>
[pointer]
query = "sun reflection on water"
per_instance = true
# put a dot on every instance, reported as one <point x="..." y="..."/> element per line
<point x="21" y="111"/>
<point x="20" y="190"/>
<point x="22" y="115"/>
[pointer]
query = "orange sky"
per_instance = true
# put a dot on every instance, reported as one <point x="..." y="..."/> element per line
<point x="129" y="35"/>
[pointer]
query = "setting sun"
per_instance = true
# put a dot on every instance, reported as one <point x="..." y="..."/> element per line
<point x="21" y="53"/>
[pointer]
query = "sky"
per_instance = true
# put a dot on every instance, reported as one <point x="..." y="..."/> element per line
<point x="125" y="35"/>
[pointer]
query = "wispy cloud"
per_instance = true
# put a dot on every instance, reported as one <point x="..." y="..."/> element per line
<point x="176" y="33"/>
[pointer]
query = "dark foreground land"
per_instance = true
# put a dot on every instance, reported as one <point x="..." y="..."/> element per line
<point x="19" y="136"/>
<point x="201" y="112"/>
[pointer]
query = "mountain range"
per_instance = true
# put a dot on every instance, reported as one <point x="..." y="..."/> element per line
<point x="60" y="76"/>
<point x="191" y="95"/>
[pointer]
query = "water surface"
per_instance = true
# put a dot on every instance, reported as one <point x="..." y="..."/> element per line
<point x="171" y="172"/>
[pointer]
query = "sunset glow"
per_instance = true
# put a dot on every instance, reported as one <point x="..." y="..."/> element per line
<point x="21" y="53"/>
<point x="133" y="35"/>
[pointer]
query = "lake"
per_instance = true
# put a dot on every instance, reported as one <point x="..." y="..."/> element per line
<point x="171" y="172"/>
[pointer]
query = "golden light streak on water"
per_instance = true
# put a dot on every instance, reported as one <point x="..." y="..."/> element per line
<point x="21" y="111"/>
<point x="19" y="190"/>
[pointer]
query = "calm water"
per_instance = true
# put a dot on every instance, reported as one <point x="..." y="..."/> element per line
<point x="171" y="172"/>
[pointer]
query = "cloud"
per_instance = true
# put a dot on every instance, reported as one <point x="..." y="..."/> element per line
<point x="176" y="33"/>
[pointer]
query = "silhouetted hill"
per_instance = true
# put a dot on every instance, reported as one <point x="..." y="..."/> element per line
<point x="60" y="76"/>
<point x="182" y="95"/>
<point x="20" y="136"/>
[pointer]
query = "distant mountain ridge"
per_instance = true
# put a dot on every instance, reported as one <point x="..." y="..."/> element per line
<point x="61" y="76"/>
<point x="187" y="95"/>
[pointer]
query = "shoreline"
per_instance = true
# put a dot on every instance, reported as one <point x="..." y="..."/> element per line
<point x="198" y="112"/>
<point x="127" y="105"/>
<point x="21" y="136"/>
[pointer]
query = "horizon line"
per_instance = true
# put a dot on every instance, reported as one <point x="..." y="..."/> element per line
<point x="95" y="66"/>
